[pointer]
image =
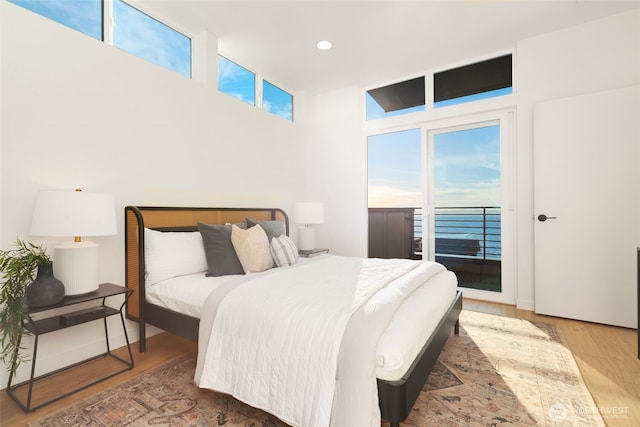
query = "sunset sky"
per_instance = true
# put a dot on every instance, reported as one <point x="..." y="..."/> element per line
<point x="467" y="168"/>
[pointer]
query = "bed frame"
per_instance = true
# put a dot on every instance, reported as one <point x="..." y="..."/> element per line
<point x="396" y="398"/>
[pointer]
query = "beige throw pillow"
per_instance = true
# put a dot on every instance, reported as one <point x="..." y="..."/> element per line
<point x="252" y="248"/>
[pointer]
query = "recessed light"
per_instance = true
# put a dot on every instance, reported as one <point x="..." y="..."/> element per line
<point x="324" y="45"/>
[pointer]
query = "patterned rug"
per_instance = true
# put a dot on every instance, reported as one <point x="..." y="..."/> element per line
<point x="497" y="371"/>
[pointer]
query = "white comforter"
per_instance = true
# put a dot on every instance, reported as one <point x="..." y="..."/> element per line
<point x="277" y="341"/>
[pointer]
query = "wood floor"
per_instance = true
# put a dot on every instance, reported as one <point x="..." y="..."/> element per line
<point x="606" y="356"/>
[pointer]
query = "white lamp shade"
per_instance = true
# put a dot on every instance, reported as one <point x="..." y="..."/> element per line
<point x="308" y="213"/>
<point x="73" y="213"/>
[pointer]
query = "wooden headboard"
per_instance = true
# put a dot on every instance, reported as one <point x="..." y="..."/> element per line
<point x="137" y="218"/>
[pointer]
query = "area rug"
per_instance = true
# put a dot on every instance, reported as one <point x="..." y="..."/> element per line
<point x="498" y="371"/>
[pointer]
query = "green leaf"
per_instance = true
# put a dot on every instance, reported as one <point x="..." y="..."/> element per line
<point x="18" y="266"/>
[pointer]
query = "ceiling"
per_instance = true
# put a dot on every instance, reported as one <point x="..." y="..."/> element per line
<point x="374" y="42"/>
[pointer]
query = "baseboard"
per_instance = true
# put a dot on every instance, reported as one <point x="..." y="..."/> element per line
<point x="525" y="305"/>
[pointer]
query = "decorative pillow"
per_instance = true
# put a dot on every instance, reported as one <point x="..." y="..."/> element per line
<point x="283" y="251"/>
<point x="272" y="228"/>
<point x="172" y="254"/>
<point x="242" y="224"/>
<point x="252" y="248"/>
<point x="221" y="257"/>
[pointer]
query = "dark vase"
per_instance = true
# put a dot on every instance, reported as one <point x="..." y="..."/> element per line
<point x="45" y="290"/>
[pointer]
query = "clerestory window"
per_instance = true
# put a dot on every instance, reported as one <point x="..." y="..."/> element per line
<point x="133" y="30"/>
<point x="277" y="101"/>
<point x="396" y="99"/>
<point x="472" y="82"/>
<point x="236" y="81"/>
<point x="150" y="39"/>
<point x="480" y="80"/>
<point x="81" y="15"/>
<point x="239" y="82"/>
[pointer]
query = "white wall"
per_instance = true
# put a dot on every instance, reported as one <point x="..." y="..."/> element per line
<point x="336" y="170"/>
<point x="600" y="55"/>
<point x="77" y="112"/>
<point x="595" y="56"/>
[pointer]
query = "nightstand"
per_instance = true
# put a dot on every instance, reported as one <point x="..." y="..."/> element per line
<point x="56" y="322"/>
<point x="312" y="252"/>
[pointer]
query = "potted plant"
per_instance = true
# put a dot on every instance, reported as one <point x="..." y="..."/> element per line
<point x="18" y="266"/>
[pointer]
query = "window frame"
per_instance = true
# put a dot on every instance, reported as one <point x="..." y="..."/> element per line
<point x="475" y="62"/>
<point x="67" y="24"/>
<point x="107" y="30"/>
<point x="489" y="75"/>
<point x="431" y="111"/>
<point x="258" y="89"/>
<point x="256" y="99"/>
<point x="262" y="83"/>
<point x="394" y="95"/>
<point x="107" y="17"/>
<point x="110" y="26"/>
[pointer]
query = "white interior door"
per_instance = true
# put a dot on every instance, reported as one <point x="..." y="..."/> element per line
<point x="587" y="183"/>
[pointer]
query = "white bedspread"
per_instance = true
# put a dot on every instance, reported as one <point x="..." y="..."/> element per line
<point x="277" y="341"/>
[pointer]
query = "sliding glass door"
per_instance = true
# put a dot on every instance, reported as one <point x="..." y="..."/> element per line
<point x="468" y="204"/>
<point x="443" y="191"/>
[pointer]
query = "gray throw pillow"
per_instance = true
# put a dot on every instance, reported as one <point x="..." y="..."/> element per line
<point x="272" y="228"/>
<point x="218" y="249"/>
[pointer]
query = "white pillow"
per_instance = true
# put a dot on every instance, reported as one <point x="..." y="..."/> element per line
<point x="283" y="251"/>
<point x="252" y="248"/>
<point x="172" y="254"/>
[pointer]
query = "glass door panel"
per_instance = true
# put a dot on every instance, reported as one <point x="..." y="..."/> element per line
<point x="395" y="194"/>
<point x="466" y="203"/>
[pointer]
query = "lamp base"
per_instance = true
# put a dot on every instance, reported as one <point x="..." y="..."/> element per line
<point x="76" y="266"/>
<point x="306" y="238"/>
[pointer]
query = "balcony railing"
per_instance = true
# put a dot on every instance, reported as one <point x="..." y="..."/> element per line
<point x="464" y="232"/>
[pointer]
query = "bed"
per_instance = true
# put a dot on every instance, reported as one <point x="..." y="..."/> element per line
<point x="396" y="389"/>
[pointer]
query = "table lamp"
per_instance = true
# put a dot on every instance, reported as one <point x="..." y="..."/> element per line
<point x="307" y="213"/>
<point x="74" y="213"/>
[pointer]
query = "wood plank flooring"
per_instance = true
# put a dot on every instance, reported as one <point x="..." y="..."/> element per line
<point x="606" y="356"/>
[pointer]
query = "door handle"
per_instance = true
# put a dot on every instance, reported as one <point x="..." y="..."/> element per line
<point x="543" y="217"/>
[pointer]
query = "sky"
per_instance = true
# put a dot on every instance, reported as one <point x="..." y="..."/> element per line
<point x="466" y="163"/>
<point x="150" y="39"/>
<point x="466" y="168"/>
<point x="237" y="81"/>
<point x="82" y="15"/>
<point x="394" y="169"/>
